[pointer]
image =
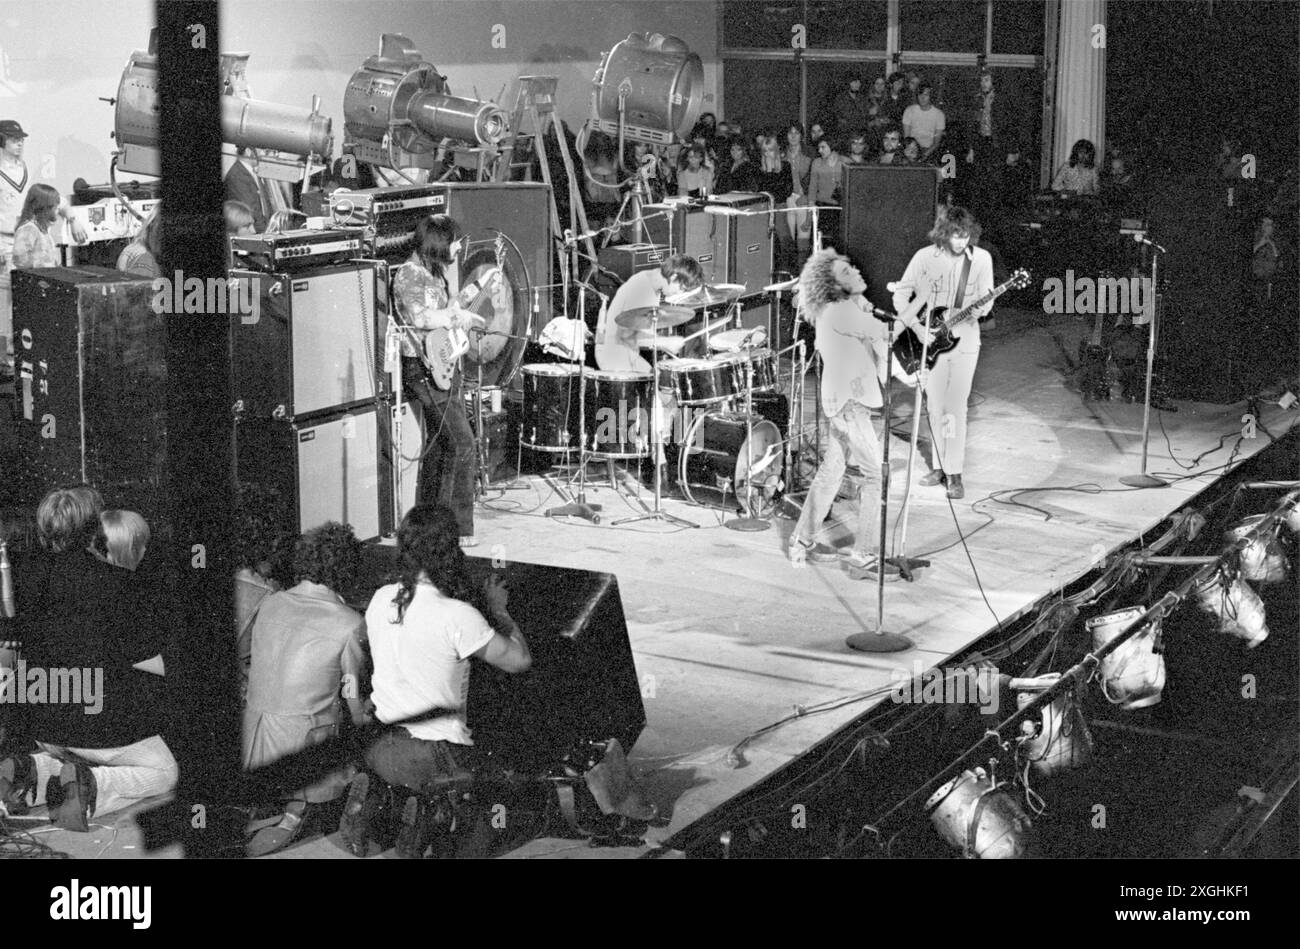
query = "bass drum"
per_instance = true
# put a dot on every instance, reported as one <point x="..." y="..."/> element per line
<point x="720" y="451"/>
<point x="505" y="305"/>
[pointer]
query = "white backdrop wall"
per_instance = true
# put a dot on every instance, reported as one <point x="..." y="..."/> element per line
<point x="58" y="56"/>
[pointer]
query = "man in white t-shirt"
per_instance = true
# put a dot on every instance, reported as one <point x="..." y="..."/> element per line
<point x="423" y="632"/>
<point x="924" y="122"/>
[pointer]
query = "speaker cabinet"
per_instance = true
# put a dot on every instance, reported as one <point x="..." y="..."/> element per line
<point x="666" y="224"/>
<point x="887" y="214"/>
<point x="330" y="466"/>
<point x="1203" y="280"/>
<point x="742" y="239"/>
<point x="90" y="392"/>
<point x="583" y="682"/>
<point x="313" y="344"/>
<point x="627" y="259"/>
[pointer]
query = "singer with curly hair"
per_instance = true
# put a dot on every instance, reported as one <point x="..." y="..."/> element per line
<point x="851" y="342"/>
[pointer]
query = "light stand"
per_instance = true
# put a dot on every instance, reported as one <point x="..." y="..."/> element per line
<point x="1142" y="479"/>
<point x="880" y="640"/>
<point x="657" y="513"/>
<point x="905" y="564"/>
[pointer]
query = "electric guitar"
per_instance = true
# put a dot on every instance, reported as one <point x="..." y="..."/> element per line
<point x="444" y="346"/>
<point x="907" y="348"/>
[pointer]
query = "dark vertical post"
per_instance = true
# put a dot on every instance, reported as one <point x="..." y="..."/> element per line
<point x="199" y="476"/>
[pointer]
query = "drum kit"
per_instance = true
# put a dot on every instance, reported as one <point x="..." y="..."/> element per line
<point x="726" y="448"/>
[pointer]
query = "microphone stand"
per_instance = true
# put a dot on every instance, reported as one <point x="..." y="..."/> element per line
<point x="880" y="640"/>
<point x="905" y="564"/>
<point x="1142" y="479"/>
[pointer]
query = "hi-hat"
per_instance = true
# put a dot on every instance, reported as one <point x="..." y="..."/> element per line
<point x="706" y="295"/>
<point x="654" y="317"/>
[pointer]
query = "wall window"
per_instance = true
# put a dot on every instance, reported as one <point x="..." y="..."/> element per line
<point x="942" y="26"/>
<point x="847" y="24"/>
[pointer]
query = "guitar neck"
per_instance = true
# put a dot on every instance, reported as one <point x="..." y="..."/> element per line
<point x="965" y="313"/>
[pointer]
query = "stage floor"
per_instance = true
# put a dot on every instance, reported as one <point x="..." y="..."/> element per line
<point x="728" y="637"/>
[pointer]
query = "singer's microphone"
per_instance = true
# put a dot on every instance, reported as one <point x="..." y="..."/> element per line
<point x="1139" y="239"/>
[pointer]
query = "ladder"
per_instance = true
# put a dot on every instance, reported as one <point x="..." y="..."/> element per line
<point x="535" y="103"/>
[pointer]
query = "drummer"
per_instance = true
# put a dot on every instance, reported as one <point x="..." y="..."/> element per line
<point x="618" y="348"/>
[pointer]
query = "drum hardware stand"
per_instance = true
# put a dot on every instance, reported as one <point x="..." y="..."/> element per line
<point x="880" y="640"/>
<point x="1142" y="479"/>
<point x="749" y="523"/>
<point x="657" y="513"/>
<point x="484" y="480"/>
<point x="906" y="565"/>
<point x="576" y="505"/>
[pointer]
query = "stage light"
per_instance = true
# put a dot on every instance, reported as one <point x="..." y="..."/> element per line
<point x="245" y="122"/>
<point x="652" y="86"/>
<point x="1061" y="740"/>
<point x="396" y="100"/>
<point x="1133" y="676"/>
<point x="980" y="818"/>
<point x="1237" y="607"/>
<point x="1261" y="560"/>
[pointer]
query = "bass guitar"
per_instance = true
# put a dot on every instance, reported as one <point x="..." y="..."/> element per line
<point x="907" y="348"/>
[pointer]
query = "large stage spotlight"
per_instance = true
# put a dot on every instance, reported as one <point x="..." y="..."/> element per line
<point x="649" y="88"/>
<point x="397" y="110"/>
<point x="292" y="139"/>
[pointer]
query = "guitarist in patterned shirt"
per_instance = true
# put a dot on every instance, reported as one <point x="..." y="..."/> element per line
<point x="949" y="273"/>
<point x="424" y="294"/>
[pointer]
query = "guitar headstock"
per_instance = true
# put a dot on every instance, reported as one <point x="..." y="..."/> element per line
<point x="1019" y="279"/>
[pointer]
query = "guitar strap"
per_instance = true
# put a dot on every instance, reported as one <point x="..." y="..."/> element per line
<point x="961" y="283"/>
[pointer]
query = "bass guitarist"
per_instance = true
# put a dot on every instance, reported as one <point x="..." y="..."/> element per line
<point x="952" y="270"/>
<point x="424" y="294"/>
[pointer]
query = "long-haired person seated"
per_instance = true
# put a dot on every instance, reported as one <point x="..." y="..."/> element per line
<point x="308" y="661"/>
<point x="423" y="631"/>
<point x="101" y="748"/>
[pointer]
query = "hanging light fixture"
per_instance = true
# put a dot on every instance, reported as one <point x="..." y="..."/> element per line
<point x="1133" y="676"/>
<point x="1237" y="607"/>
<point x="1262" y="559"/>
<point x="1060" y="741"/>
<point x="980" y="818"/>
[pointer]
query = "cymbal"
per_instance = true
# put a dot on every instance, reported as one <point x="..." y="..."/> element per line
<point x="783" y="286"/>
<point x="710" y="295"/>
<point x="654" y="317"/>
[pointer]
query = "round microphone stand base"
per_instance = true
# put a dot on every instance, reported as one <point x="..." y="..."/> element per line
<point x="1143" y="481"/>
<point x="750" y="525"/>
<point x="878" y="642"/>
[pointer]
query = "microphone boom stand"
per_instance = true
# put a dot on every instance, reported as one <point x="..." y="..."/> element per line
<point x="1142" y="479"/>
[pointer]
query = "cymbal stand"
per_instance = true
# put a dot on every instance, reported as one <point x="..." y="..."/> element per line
<point x="657" y="513"/>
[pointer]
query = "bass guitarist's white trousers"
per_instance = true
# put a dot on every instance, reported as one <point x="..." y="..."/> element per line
<point x="946" y="393"/>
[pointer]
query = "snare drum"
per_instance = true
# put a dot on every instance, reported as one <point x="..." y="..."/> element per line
<point x="720" y="451"/>
<point x="618" y="411"/>
<point x="550" y="410"/>
<point x="702" y="381"/>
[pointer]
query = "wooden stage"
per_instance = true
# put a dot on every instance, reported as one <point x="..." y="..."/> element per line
<point x="729" y="637"/>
